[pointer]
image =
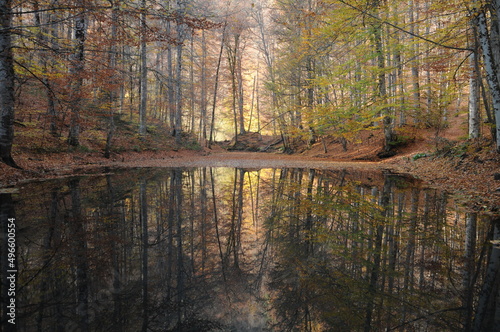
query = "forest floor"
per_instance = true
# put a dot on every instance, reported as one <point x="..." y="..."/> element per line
<point x="469" y="170"/>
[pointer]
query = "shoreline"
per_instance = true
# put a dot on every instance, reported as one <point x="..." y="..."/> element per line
<point x="471" y="179"/>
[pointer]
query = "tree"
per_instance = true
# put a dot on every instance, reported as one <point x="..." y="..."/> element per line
<point x="181" y="31"/>
<point x="381" y="84"/>
<point x="6" y="85"/>
<point x="76" y="71"/>
<point x="490" y="49"/>
<point x="46" y="31"/>
<point x="144" y="73"/>
<point x="474" y="114"/>
<point x="113" y="66"/>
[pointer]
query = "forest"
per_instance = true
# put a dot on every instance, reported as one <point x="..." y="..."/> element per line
<point x="121" y="210"/>
<point x="220" y="249"/>
<point x="81" y="74"/>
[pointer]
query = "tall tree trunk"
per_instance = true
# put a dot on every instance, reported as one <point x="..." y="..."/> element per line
<point x="113" y="92"/>
<point x="415" y="74"/>
<point x="170" y="81"/>
<point x="216" y="86"/>
<point x="203" y="96"/>
<point x="76" y="71"/>
<point x="192" y="95"/>
<point x="382" y="88"/>
<point x="43" y="38"/>
<point x="494" y="9"/>
<point x="491" y="69"/>
<point x="239" y="76"/>
<point x="144" y="73"/>
<point x="6" y="85"/>
<point x="181" y="36"/>
<point x="232" y="56"/>
<point x="474" y="115"/>
<point x="143" y="218"/>
<point x="485" y="318"/>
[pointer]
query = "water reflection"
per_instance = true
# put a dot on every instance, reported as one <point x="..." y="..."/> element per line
<point x="219" y="249"/>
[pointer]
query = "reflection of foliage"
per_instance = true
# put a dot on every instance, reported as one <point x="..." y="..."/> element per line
<point x="348" y="255"/>
<point x="340" y="250"/>
<point x="312" y="297"/>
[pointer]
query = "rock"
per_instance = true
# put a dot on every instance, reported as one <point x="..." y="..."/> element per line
<point x="386" y="154"/>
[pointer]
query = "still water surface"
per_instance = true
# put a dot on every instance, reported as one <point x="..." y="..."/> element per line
<point x="222" y="249"/>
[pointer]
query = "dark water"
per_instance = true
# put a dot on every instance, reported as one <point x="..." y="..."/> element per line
<point x="220" y="249"/>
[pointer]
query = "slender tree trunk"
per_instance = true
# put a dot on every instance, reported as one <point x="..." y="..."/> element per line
<point x="216" y="85"/>
<point x="112" y="93"/>
<point x="415" y="74"/>
<point x="192" y="96"/>
<point x="178" y="95"/>
<point x="76" y="71"/>
<point x="143" y="218"/>
<point x="170" y="81"/>
<point x="43" y="32"/>
<point x="474" y="115"/>
<point x="382" y="89"/>
<point x="144" y="73"/>
<point x="6" y="85"/>
<point x="203" y="93"/>
<point x="468" y="280"/>
<point x="252" y="103"/>
<point x="239" y="76"/>
<point x="232" y="57"/>
<point x="181" y="36"/>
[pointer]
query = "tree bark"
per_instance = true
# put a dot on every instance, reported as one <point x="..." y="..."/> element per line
<point x="203" y="96"/>
<point x="144" y="73"/>
<point x="491" y="69"/>
<point x="474" y="115"/>
<point x="170" y="81"/>
<point x="42" y="35"/>
<point x="382" y="87"/>
<point x="76" y="70"/>
<point x="181" y="36"/>
<point x="239" y="76"/>
<point x="113" y="66"/>
<point x="216" y="86"/>
<point x="6" y="85"/>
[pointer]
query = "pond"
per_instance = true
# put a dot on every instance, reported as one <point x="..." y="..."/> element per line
<point x="234" y="249"/>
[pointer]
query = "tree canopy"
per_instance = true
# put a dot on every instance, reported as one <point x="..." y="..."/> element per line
<point x="216" y="69"/>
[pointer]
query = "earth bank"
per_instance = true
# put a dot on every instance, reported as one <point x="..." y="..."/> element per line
<point x="468" y="169"/>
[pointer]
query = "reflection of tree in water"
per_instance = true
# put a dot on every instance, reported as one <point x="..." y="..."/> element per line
<point x="187" y="250"/>
<point x="144" y="251"/>
<point x="353" y="257"/>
